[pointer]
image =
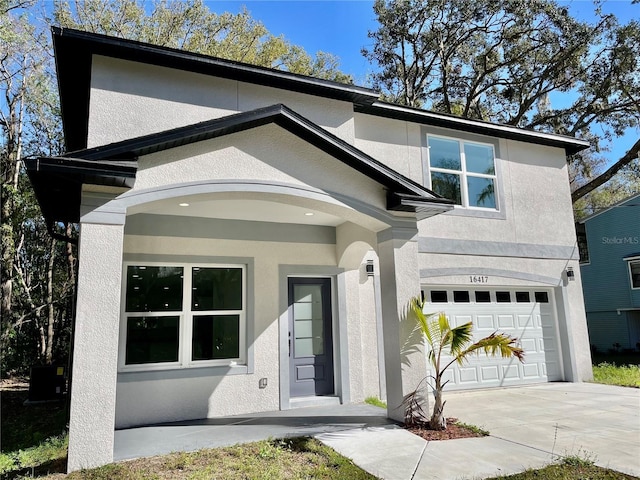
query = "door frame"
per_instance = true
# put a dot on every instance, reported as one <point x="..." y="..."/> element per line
<point x="339" y="328"/>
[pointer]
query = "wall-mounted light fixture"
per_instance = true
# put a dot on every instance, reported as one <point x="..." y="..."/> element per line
<point x="570" y="274"/>
<point x="369" y="268"/>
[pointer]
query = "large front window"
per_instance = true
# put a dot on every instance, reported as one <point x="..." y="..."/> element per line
<point x="463" y="171"/>
<point x="184" y="315"/>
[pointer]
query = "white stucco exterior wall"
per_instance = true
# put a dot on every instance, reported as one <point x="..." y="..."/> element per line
<point x="95" y="346"/>
<point x="156" y="99"/>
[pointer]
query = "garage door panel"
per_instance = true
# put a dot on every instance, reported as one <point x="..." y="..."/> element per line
<point x="468" y="375"/>
<point x="506" y="321"/>
<point x="531" y="370"/>
<point x="490" y="373"/>
<point x="532" y="323"/>
<point x="529" y="345"/>
<point x="510" y="372"/>
<point x="485" y="322"/>
<point x="525" y="322"/>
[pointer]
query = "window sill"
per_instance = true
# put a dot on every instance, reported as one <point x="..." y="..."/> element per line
<point x="186" y="370"/>
<point x="459" y="211"/>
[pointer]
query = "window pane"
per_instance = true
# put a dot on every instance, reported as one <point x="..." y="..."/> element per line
<point x="216" y="289"/>
<point x="447" y="185"/>
<point x="542" y="297"/>
<point x="444" y="154"/>
<point x="479" y="159"/>
<point x="483" y="297"/>
<point x="522" y="297"/>
<point x="439" y="296"/>
<point x="154" y="289"/>
<point x="308" y="320"/>
<point x="503" y="297"/>
<point x="635" y="274"/>
<point x="481" y="192"/>
<point x="152" y="339"/>
<point x="461" y="296"/>
<point x="215" y="337"/>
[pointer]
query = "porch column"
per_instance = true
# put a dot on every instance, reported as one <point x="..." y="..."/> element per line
<point x="95" y="351"/>
<point x="404" y="359"/>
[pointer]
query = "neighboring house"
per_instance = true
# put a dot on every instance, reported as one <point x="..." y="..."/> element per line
<point x="250" y="239"/>
<point x="610" y="267"/>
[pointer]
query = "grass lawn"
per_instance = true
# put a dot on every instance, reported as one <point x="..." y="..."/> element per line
<point x="617" y="369"/>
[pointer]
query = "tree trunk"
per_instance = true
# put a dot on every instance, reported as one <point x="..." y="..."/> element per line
<point x="631" y="155"/>
<point x="51" y="313"/>
<point x="438" y="421"/>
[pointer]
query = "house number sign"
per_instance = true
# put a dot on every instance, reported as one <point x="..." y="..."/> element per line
<point x="478" y="279"/>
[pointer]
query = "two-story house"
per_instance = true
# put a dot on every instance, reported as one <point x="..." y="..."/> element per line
<point x="610" y="267"/>
<point x="250" y="239"/>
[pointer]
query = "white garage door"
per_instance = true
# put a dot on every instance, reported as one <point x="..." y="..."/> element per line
<point x="527" y="314"/>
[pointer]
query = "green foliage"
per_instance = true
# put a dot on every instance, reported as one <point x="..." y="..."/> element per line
<point x="508" y="61"/>
<point x="611" y="374"/>
<point x="375" y="401"/>
<point x="474" y="429"/>
<point x="50" y="450"/>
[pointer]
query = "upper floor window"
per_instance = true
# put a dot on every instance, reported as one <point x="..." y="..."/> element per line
<point x="463" y="171"/>
<point x="634" y="272"/>
<point x="183" y="315"/>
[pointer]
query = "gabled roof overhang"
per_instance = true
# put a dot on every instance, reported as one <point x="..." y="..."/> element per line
<point x="115" y="164"/>
<point x="571" y="145"/>
<point x="74" y="50"/>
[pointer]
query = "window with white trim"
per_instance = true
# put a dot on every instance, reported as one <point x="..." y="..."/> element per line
<point x="183" y="315"/>
<point x="634" y="273"/>
<point x="463" y="171"/>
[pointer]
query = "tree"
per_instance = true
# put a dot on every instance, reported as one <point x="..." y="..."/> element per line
<point x="508" y="61"/>
<point x="190" y="25"/>
<point x="442" y="340"/>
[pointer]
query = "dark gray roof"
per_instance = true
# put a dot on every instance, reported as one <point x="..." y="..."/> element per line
<point x="115" y="164"/>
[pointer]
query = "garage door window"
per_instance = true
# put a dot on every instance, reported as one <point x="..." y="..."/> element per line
<point x="461" y="296"/>
<point x="483" y="296"/>
<point x="542" y="297"/>
<point x="438" y="296"/>
<point x="522" y="297"/>
<point x="503" y="297"/>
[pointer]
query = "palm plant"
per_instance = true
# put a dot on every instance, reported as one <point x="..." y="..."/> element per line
<point x="454" y="342"/>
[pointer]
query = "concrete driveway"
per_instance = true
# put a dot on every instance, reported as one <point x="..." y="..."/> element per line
<point x="529" y="426"/>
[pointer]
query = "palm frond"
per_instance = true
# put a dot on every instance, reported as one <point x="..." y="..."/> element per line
<point x="460" y="336"/>
<point x="505" y="345"/>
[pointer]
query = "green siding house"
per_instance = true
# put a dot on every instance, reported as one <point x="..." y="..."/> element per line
<point x="610" y="267"/>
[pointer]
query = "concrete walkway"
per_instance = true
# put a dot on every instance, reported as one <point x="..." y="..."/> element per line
<point x="530" y="427"/>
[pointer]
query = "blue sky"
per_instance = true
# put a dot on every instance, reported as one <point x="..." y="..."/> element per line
<point x="340" y="27"/>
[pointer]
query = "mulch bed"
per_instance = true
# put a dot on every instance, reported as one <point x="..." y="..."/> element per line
<point x="452" y="432"/>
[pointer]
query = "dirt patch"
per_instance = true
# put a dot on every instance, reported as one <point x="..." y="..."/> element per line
<point x="454" y="430"/>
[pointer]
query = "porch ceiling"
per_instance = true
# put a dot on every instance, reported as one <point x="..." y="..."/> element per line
<point x="243" y="209"/>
